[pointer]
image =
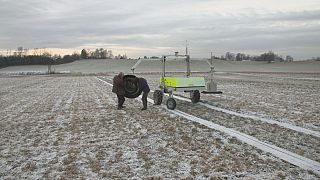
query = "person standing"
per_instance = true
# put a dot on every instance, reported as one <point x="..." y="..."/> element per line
<point x="118" y="88"/>
<point x="143" y="84"/>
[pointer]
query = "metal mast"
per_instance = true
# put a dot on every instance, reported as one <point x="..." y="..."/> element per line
<point x="186" y="47"/>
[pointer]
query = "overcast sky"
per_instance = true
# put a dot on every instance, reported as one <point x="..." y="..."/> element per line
<point x="156" y="27"/>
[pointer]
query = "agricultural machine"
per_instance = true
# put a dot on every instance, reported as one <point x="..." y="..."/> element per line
<point x="171" y="84"/>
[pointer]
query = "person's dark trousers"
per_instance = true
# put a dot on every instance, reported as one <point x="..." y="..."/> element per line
<point x="120" y="101"/>
<point x="144" y="100"/>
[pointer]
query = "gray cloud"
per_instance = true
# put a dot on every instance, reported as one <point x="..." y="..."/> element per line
<point x="156" y="26"/>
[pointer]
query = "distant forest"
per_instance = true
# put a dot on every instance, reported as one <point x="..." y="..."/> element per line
<point x="268" y="56"/>
<point x="18" y="58"/>
<point x="6" y="61"/>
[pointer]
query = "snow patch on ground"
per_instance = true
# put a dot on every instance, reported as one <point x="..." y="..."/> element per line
<point x="69" y="127"/>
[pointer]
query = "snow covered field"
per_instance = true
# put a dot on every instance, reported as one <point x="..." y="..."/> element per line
<point x="101" y="66"/>
<point x="67" y="127"/>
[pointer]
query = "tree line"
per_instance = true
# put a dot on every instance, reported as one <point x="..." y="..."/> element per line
<point x="96" y="54"/>
<point x="47" y="59"/>
<point x="100" y="54"/>
<point x="44" y="59"/>
<point x="268" y="56"/>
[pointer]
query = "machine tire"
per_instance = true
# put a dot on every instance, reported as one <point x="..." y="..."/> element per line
<point x="131" y="86"/>
<point x="157" y="97"/>
<point x="171" y="103"/>
<point x="195" y="96"/>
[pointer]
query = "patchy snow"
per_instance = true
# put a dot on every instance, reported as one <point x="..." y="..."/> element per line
<point x="274" y="150"/>
<point x="284" y="133"/>
<point x="255" y="117"/>
<point x="288" y="156"/>
<point x="68" y="127"/>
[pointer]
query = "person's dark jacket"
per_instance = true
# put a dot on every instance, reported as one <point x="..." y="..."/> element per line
<point x="118" y="85"/>
<point x="144" y="85"/>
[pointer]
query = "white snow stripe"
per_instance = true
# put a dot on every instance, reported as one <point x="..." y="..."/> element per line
<point x="282" y="124"/>
<point x="283" y="154"/>
<point x="104" y="81"/>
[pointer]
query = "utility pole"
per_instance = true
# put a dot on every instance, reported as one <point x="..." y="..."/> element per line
<point x="186" y="47"/>
<point x="188" y="60"/>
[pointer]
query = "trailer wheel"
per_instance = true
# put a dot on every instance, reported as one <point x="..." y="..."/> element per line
<point x="195" y="96"/>
<point x="171" y="104"/>
<point x="157" y="97"/>
<point x="131" y="86"/>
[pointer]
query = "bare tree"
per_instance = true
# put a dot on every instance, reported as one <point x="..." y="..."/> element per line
<point x="289" y="58"/>
<point x="20" y="51"/>
<point x="230" y="56"/>
<point x="84" y="54"/>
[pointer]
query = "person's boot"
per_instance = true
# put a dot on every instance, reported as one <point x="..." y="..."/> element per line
<point x="144" y="105"/>
<point x="120" y="107"/>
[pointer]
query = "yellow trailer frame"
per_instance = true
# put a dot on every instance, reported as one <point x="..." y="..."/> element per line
<point x="169" y="84"/>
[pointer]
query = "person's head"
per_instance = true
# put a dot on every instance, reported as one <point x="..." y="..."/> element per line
<point x="121" y="74"/>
